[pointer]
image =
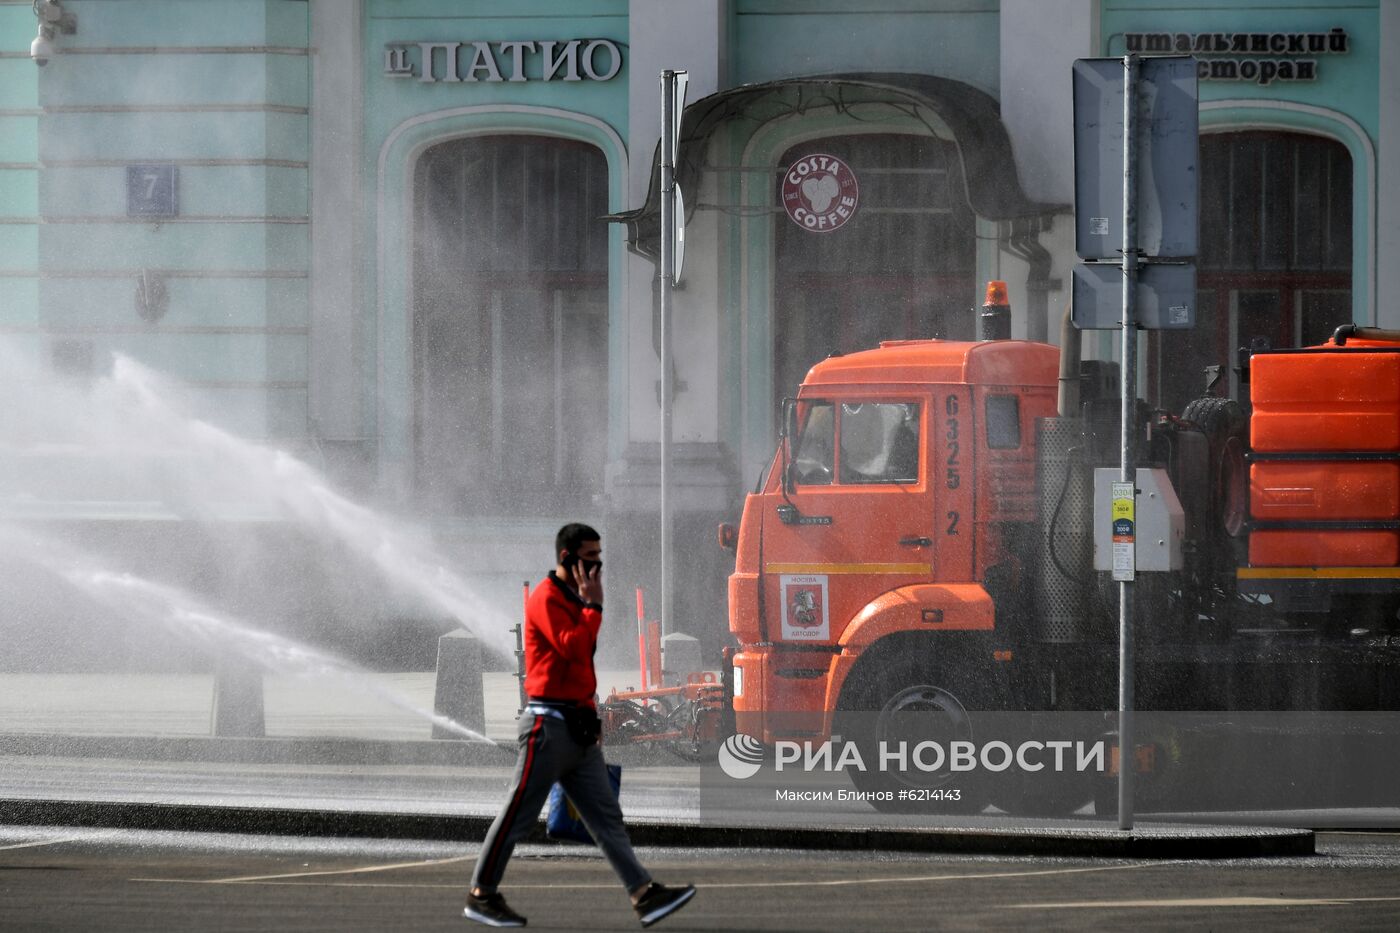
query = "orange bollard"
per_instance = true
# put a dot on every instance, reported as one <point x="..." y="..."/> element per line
<point x="641" y="638"/>
<point x="519" y="631"/>
<point x="654" y="653"/>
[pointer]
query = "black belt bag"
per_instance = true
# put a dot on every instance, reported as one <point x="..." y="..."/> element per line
<point x="583" y="724"/>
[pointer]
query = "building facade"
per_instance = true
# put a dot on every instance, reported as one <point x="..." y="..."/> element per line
<point x="415" y="240"/>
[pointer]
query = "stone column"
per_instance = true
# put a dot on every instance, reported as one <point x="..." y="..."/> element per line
<point x="1388" y="173"/>
<point x="1040" y="39"/>
<point x="337" y="340"/>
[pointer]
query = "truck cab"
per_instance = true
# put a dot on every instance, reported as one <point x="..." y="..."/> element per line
<point x="903" y="487"/>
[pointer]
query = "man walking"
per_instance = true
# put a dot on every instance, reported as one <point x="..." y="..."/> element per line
<point x="559" y="734"/>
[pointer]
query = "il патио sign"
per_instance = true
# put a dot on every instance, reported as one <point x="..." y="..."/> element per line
<point x="469" y="62"/>
<point x="1289" y="52"/>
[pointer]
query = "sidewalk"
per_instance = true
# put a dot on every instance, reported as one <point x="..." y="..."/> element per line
<point x="356" y="759"/>
<point x="181" y="705"/>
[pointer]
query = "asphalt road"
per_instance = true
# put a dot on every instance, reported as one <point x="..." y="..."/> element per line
<point x="56" y="879"/>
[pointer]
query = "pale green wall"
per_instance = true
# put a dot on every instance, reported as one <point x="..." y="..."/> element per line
<point x="221" y="88"/>
<point x="776" y="39"/>
<point x="19" y="170"/>
<point x="234" y="115"/>
<point x="404" y="116"/>
<point x="1342" y="103"/>
<point x="785" y="38"/>
<point x="1346" y="81"/>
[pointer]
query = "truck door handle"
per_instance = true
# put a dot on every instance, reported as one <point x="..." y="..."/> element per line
<point x="916" y="542"/>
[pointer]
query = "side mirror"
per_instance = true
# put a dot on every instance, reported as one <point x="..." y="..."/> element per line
<point x="728" y="536"/>
<point x="789" y="430"/>
<point x="786" y="438"/>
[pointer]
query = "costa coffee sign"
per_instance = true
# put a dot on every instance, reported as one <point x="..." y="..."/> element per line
<point x="820" y="193"/>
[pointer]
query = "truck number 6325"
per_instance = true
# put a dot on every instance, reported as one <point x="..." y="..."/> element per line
<point x="950" y="408"/>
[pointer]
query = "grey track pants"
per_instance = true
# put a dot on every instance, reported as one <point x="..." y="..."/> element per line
<point x="548" y="754"/>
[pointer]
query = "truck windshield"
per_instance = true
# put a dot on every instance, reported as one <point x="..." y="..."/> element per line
<point x="879" y="443"/>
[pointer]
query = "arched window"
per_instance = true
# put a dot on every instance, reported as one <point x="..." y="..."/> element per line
<point x="1275" y="256"/>
<point x="903" y="267"/>
<point x="510" y="324"/>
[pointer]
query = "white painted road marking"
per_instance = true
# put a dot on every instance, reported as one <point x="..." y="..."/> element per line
<point x="53" y="842"/>
<point x="915" y="879"/>
<point x="248" y="879"/>
<point x="1184" y="902"/>
<point x="838" y="882"/>
<point x="1359" y="832"/>
<point x="1204" y="902"/>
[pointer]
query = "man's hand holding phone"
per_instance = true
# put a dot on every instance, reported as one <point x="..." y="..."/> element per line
<point x="588" y="580"/>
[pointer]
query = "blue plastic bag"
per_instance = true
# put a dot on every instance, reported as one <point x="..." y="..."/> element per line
<point x="562" y="821"/>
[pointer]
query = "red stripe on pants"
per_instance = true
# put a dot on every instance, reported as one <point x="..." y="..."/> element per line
<point x="509" y="821"/>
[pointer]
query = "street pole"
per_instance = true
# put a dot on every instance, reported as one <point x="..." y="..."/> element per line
<point x="1127" y="472"/>
<point x="668" y="273"/>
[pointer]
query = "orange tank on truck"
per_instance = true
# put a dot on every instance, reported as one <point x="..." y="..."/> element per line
<point x="1325" y="471"/>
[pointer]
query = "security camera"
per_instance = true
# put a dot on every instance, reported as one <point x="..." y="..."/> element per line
<point x="53" y="20"/>
<point x="42" y="49"/>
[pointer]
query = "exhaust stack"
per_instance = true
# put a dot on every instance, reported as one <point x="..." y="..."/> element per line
<point x="1069" y="366"/>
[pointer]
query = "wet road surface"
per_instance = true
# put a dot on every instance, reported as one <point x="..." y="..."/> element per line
<point x="54" y="879"/>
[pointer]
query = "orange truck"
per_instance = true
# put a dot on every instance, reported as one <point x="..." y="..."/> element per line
<point x="933" y="536"/>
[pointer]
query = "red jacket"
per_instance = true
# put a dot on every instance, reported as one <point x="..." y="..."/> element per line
<point x="561" y="633"/>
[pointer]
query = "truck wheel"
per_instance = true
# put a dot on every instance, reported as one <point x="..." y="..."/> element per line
<point x="1215" y="415"/>
<point x="1226" y="428"/>
<point x="910" y="702"/>
<point x="1105" y="798"/>
<point x="1044" y="795"/>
